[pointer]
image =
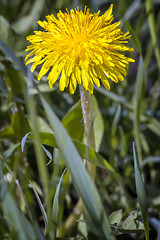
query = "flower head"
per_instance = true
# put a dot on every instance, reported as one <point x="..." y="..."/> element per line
<point x="80" y="47"/>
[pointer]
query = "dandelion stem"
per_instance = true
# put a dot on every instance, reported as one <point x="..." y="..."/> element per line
<point x="90" y="141"/>
<point x="86" y="110"/>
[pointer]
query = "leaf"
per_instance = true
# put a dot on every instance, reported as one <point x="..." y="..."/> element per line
<point x="141" y="194"/>
<point x="48" y="154"/>
<point x="115" y="217"/>
<point x="72" y="119"/>
<point x="98" y="123"/>
<point x="45" y="150"/>
<point x="131" y="224"/>
<point x="82" y="227"/>
<point x="17" y="82"/>
<point x="94" y="157"/>
<point x="55" y="207"/>
<point x="20" y="124"/>
<point x="23" y="142"/>
<point x="42" y="125"/>
<point x="7" y="132"/>
<point x="40" y="205"/>
<point x="82" y="181"/>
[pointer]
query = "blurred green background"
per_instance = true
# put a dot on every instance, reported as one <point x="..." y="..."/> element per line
<point x="129" y="113"/>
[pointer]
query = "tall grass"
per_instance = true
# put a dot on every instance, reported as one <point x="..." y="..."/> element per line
<point x="42" y="134"/>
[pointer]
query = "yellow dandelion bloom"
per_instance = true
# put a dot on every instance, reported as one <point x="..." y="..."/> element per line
<point x="80" y="47"/>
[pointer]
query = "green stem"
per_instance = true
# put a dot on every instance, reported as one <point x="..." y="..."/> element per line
<point x="78" y="209"/>
<point x="87" y="117"/>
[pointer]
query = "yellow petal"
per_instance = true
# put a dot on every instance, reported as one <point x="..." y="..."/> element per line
<point x="77" y="74"/>
<point x="90" y="86"/>
<point x="80" y="47"/>
<point x="84" y="79"/>
<point x="108" y="13"/>
<point x="106" y="84"/>
<point x="62" y="81"/>
<point x="55" y="72"/>
<point x="43" y="70"/>
<point x="73" y="84"/>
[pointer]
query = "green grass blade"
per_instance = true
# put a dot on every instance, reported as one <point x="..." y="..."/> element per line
<point x="141" y="194"/>
<point x="82" y="182"/>
<point x="152" y="27"/>
<point x="55" y="207"/>
<point x="40" y="157"/>
<point x="153" y="124"/>
<point x="41" y="206"/>
<point x="138" y="101"/>
<point x="20" y="227"/>
<point x="48" y="154"/>
<point x="116" y="120"/>
<point x="115" y="97"/>
<point x="7" y="51"/>
<point x="93" y="156"/>
<point x="135" y="38"/>
<point x="23" y="142"/>
<point x="10" y="151"/>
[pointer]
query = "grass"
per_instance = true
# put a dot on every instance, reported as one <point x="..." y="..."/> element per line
<point x="42" y="134"/>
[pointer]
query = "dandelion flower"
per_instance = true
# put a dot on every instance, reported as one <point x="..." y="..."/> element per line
<point x="80" y="47"/>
